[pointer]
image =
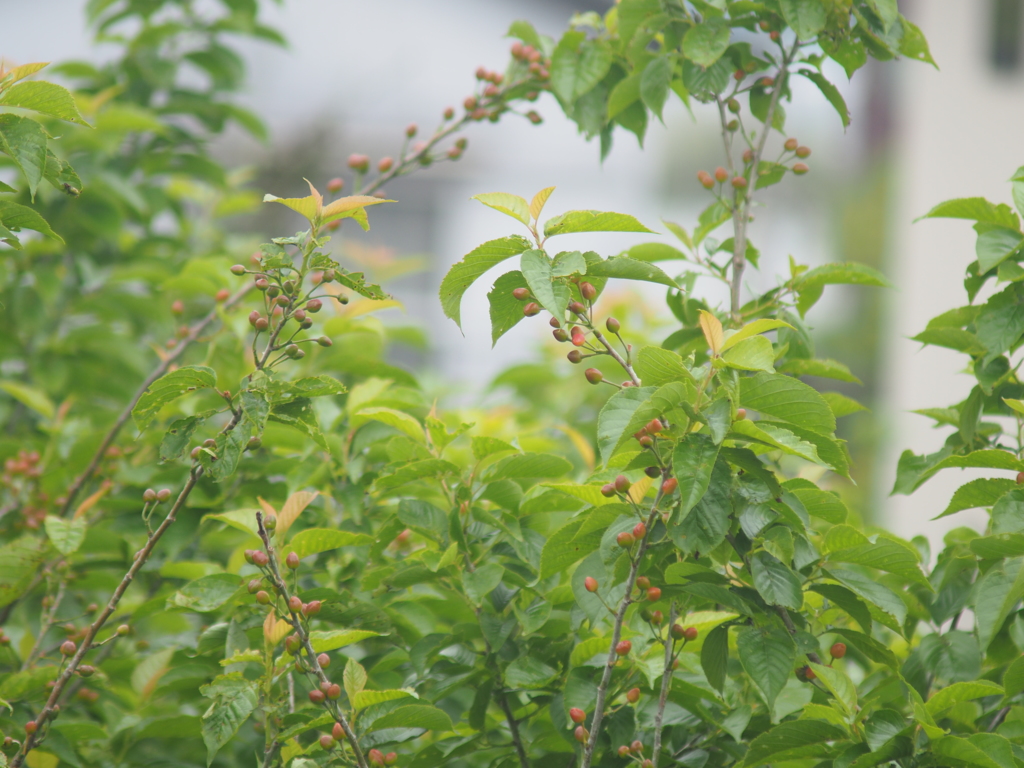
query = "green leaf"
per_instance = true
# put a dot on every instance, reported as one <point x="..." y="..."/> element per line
<point x="995" y="595"/>
<point x="588" y="649"/>
<point x="830" y="92"/>
<point x="791" y="741"/>
<point x="568" y="263"/>
<point x="481" y="582"/>
<point x="24" y="140"/>
<point x="841" y="405"/>
<point x="30" y="397"/>
<point x="753" y="354"/>
<point x="878" y="595"/>
<point x="179" y="435"/>
<point x="572" y="222"/>
<point x="704" y="43"/>
<point x="693" y="460"/>
<point x="577" y="66"/>
<point x="704" y="527"/>
<point x="983" y="492"/>
<point x="234" y="699"/>
<point x="885" y="555"/>
<point x="987" y="459"/>
<point x="286" y="391"/>
<point x="300" y="415"/>
<point x="206" y="594"/>
<point x="505" y="309"/>
<point x="472" y="267"/>
<point x="44" y="98"/>
<point x="822" y="504"/>
<point x="767" y="655"/>
<point x="777" y="437"/>
<point x="775" y="581"/>
<point x="752" y="329"/>
<point x="830" y="369"/>
<point x="1013" y="678"/>
<point x="996" y="245"/>
<point x="626" y="268"/>
<point x="787" y="399"/>
<point x="838" y="684"/>
<point x="976" y="209"/>
<point x="982" y="750"/>
<point x="510" y="205"/>
<point x="870" y="647"/>
<point x="15" y="216"/>
<point x="364" y="699"/>
<point x="809" y="286"/>
<point x="169" y="388"/>
<point x="331" y="640"/>
<point x="914" y="45"/>
<point x="616" y="415"/>
<point x="529" y="672"/>
<point x="527" y="465"/>
<point x="714" y="656"/>
<point x="417" y="470"/>
<point x="654" y="83"/>
<point x="536" y="268"/>
<point x="400" y="420"/>
<point x="945" y="698"/>
<point x="65" y="535"/>
<point x="414" y="716"/>
<point x="806" y="17"/>
<point x="625" y="93"/>
<point x="563" y="549"/>
<point x="353" y="678"/>
<point x="656" y="366"/>
<point x="312" y="541"/>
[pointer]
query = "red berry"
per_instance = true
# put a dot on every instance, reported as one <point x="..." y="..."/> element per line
<point x="222" y="295"/>
<point x="739" y="182"/>
<point x="323" y="660"/>
<point x="639" y="531"/>
<point x="624" y="750"/>
<point x="677" y="631"/>
<point x="800" y="169"/>
<point x="292" y="561"/>
<point x="590" y="584"/>
<point x="803" y="152"/>
<point x="581" y="734"/>
<point x="385" y="164"/>
<point x="334" y="691"/>
<point x="791" y="145"/>
<point x="741" y="414"/>
<point x="312" y="608"/>
<point x="593" y="375"/>
<point x="624" y="539"/>
<point x="636" y="746"/>
<point x="654" y="426"/>
<point x="612" y="325"/>
<point x="588" y="291"/>
<point x="690" y="633"/>
<point x="646" y="441"/>
<point x="669" y="485"/>
<point x="531" y="309"/>
<point x="317" y="696"/>
<point x="607" y="490"/>
<point x="335" y="185"/>
<point x="327" y="741"/>
<point x="721" y="174"/>
<point x="359" y="163"/>
<point x="643" y="582"/>
<point x="657" y="617"/>
<point x="633" y="695"/>
<point x="623" y="647"/>
<point x="809" y="673"/>
<point x="376" y="757"/>
<point x="338" y="732"/>
<point x="654" y="594"/>
<point x="578" y="339"/>
<point x="294" y="603"/>
<point x="178" y="307"/>
<point x="622" y="483"/>
<point x="705" y="179"/>
<point x="68" y="648"/>
<point x="838" y="650"/>
<point x="31" y="727"/>
<point x="767" y="82"/>
<point x="390" y="758"/>
<point x="259" y="557"/>
<point x="577" y="715"/>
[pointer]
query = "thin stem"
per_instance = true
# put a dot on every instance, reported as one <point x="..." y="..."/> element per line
<point x="620" y="615"/>
<point x="627" y="366"/>
<point x="50" y="709"/>
<point x="45" y="624"/>
<point x="998" y="719"/>
<point x="666" y="684"/>
<point x="513" y="727"/>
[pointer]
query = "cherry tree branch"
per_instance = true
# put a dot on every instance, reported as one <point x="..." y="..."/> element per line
<point x="666" y="684"/>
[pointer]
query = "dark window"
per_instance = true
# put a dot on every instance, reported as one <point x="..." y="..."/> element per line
<point x="1005" y="43"/>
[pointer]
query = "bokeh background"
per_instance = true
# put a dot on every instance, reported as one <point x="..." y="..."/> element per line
<point x="356" y="73"/>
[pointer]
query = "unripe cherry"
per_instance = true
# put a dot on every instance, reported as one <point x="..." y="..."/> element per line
<point x="292" y="561"/>
<point x="385" y="164"/>
<point x="149" y="496"/>
<point x="748" y="156"/>
<point x="838" y="650"/>
<point x="31" y="727"/>
<point x="803" y="152"/>
<point x="637" y="746"/>
<point x="577" y="715"/>
<point x="624" y="750"/>
<point x="734" y="106"/>
<point x="259" y="557"/>
<point x="741" y="414"/>
<point x="581" y="734"/>
<point x="578" y="339"/>
<point x="237" y="269"/>
<point x="669" y="485"/>
<point x="521" y="293"/>
<point x="590" y="584"/>
<point x="739" y="182"/>
<point x="800" y="169"/>
<point x="560" y="334"/>
<point x="648" y="763"/>
<point x="646" y="441"/>
<point x="677" y="631"/>
<point x="334" y="692"/>
<point x="317" y="696"/>
<point x="577" y="308"/>
<point x="324" y="341"/>
<point x="639" y="531"/>
<point x="376" y="757"/>
<point x="178" y="307"/>
<point x="1020" y="478"/>
<point x="721" y="174"/>
<point x="327" y="741"/>
<point x="410" y="130"/>
<point x="253" y="444"/>
<point x="657" y="617"/>
<point x="86" y="671"/>
<point x="263" y="597"/>
<point x="593" y="375"/>
<point x="123" y="630"/>
<point x="390" y="758"/>
<point x="262" y="284"/>
<point x="809" y="674"/>
<point x="449" y="113"/>
<point x="654" y="594"/>
<point x="261" y="324"/>
<point x="588" y="291"/>
<point x="643" y="582"/>
<point x="323" y="660"/>
<point x="791" y="144"/>
<point x="335" y="185"/>
<point x="767" y="82"/>
<point x="358" y="163"/>
<point x="270" y="522"/>
<point x="706" y="180"/>
<point x="295" y="603"/>
<point x="622" y="483"/>
<point x="312" y="608"/>
<point x="612" y="325"/>
<point x="624" y="539"/>
<point x="690" y="633"/>
<point x="163" y="494"/>
<point x="531" y="309"/>
<point x="633" y="695"/>
<point x="338" y="732"/>
<point x="314" y="305"/>
<point x="222" y="295"/>
<point x="607" y="490"/>
<point x="654" y="426"/>
<point x="574" y="356"/>
<point x="68" y="648"/>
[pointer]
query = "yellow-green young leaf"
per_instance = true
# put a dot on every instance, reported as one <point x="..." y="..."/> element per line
<point x="885" y="555"/>
<point x="65" y="535"/>
<point x="878" y="595"/>
<point x="753" y="354"/>
<point x="752" y="329"/>
<point x="841" y="537"/>
<point x="331" y="640"/>
<point x="472" y="267"/>
<point x="591" y="494"/>
<point x="822" y="504"/>
<point x="976" y="209"/>
<point x="656" y="366"/>
<point x="841" y="405"/>
<point x="31" y="397"/>
<point x="312" y="541"/>
<point x="592" y="221"/>
<point x="243" y="657"/>
<point x="510" y="205"/>
<point x="168" y="388"/>
<point x="838" y="684"/>
<point x="207" y="593"/>
<point x="18" y="562"/>
<point x="414" y="716"/>
<point x="364" y="699"/>
<point x="308" y="206"/>
<point x="354" y="678"/>
<point x="704" y="43"/>
<point x="44" y="98"/>
<point x="787" y="399"/>
<point x="1017" y="405"/>
<point x="350" y="207"/>
<point x="983" y="492"/>
<point x="587" y="650"/>
<point x="825" y="368"/>
<point x="712" y="328"/>
<point x="526" y="465"/>
<point x="793" y="740"/>
<point x="400" y="420"/>
<point x="538" y="201"/>
<point x="627" y="268"/>
<point x="19" y="73"/>
<point x="616" y="416"/>
<point x="239" y="519"/>
<point x="947" y="697"/>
